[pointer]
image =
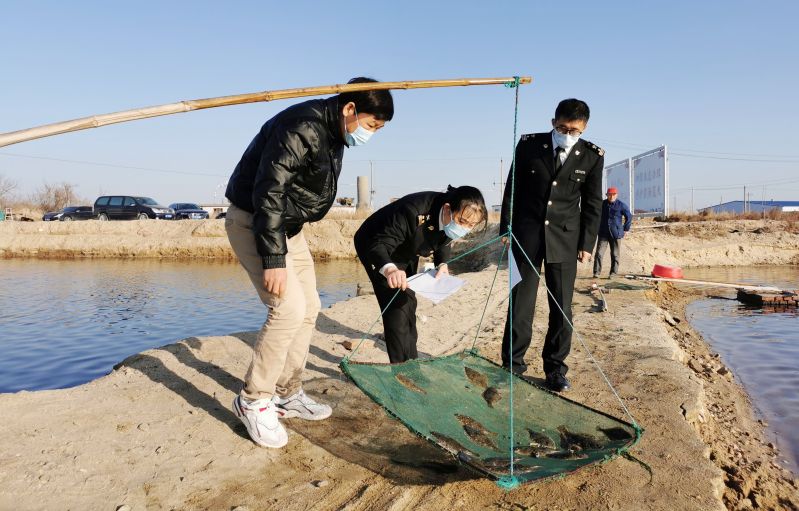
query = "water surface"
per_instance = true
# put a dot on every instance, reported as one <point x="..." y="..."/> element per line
<point x="63" y="323"/>
<point x="760" y="345"/>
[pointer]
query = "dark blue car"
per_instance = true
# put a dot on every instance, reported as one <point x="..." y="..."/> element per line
<point x="188" y="211"/>
<point x="70" y="213"/>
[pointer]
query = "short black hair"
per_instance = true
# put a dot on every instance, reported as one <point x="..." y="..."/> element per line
<point x="465" y="197"/>
<point x="376" y="102"/>
<point x="572" y="110"/>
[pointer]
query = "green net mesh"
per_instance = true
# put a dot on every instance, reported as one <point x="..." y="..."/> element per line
<point x="461" y="404"/>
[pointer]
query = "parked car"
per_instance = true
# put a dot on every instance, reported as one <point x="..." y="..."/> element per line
<point x="129" y="207"/>
<point x="52" y="216"/>
<point x="70" y="213"/>
<point x="189" y="211"/>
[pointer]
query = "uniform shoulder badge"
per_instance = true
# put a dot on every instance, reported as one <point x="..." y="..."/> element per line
<point x="528" y="136"/>
<point x="598" y="150"/>
<point x="421" y="219"/>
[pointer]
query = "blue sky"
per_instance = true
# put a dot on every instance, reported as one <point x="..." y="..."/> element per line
<point x="715" y="81"/>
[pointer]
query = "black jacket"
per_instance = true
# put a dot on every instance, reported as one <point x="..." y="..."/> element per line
<point x="561" y="211"/>
<point x="288" y="174"/>
<point x="402" y="231"/>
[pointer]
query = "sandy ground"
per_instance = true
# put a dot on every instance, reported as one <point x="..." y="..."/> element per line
<point x="158" y="433"/>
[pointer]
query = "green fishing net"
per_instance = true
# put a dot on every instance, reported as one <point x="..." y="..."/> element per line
<point x="462" y="403"/>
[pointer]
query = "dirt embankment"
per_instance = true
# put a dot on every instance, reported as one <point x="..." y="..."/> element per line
<point x="713" y="243"/>
<point x="184" y="239"/>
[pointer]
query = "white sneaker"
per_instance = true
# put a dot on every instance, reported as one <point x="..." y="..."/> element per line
<point x="260" y="417"/>
<point x="301" y="405"/>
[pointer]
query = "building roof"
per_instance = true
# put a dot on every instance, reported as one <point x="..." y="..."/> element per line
<point x="771" y="203"/>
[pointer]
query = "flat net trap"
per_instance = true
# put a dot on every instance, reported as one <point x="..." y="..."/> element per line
<point x="462" y="404"/>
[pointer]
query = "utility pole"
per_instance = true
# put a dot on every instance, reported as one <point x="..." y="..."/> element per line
<point x="744" y="198"/>
<point x="692" y="200"/>
<point x="501" y="181"/>
<point x="501" y="184"/>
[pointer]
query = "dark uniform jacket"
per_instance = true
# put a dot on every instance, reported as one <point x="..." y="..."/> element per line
<point x="402" y="231"/>
<point x="559" y="210"/>
<point x="288" y="175"/>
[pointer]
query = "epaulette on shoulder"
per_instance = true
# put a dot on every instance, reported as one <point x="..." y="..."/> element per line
<point x="528" y="136"/>
<point x="598" y="150"/>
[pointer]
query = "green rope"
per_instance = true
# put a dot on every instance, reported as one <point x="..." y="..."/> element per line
<point x="461" y="256"/>
<point x="488" y="299"/>
<point x="363" y="338"/>
<point x="508" y="483"/>
<point x="510" y="287"/>
<point x="638" y="429"/>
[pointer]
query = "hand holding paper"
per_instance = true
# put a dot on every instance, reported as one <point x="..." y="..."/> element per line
<point x="435" y="289"/>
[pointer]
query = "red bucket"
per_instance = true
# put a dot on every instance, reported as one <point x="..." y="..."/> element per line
<point x="669" y="272"/>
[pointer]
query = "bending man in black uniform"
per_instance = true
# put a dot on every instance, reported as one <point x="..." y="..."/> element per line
<point x="390" y="242"/>
<point x="556" y="208"/>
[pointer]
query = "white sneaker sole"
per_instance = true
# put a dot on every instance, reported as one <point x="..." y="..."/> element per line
<point x="254" y="436"/>
<point x="290" y="414"/>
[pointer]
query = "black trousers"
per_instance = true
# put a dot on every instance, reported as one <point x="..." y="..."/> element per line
<point x="399" y="321"/>
<point x="557" y="343"/>
<point x="615" y="254"/>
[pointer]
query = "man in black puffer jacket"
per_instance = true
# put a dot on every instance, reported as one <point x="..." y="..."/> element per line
<point x="288" y="176"/>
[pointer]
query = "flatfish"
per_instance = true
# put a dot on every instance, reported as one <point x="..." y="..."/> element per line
<point x="409" y="384"/>
<point x="476" y="377"/>
<point x="541" y="440"/>
<point x="577" y="441"/>
<point x="491" y="396"/>
<point x="477" y="432"/>
<point x="533" y="451"/>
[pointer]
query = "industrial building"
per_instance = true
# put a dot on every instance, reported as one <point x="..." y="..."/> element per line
<point x="752" y="206"/>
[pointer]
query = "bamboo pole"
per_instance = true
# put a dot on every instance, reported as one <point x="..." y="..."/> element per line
<point x="765" y="289"/>
<point x="96" y="121"/>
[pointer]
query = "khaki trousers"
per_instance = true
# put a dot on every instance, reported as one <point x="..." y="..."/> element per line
<point x="281" y="349"/>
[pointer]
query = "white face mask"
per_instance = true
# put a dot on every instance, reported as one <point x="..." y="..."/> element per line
<point x="360" y="136"/>
<point x="565" y="141"/>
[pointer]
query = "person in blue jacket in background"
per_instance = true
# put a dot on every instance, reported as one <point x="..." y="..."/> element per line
<point x="611" y="231"/>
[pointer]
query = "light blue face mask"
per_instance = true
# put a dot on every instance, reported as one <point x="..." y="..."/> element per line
<point x="565" y="141"/>
<point x="454" y="230"/>
<point x="360" y="136"/>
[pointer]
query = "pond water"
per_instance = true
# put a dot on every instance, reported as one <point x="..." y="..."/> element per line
<point x="759" y="345"/>
<point x="63" y="323"/>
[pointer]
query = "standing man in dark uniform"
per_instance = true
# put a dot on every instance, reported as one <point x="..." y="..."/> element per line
<point x="390" y="242"/>
<point x="556" y="208"/>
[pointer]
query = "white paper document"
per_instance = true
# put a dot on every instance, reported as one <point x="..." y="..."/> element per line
<point x="515" y="276"/>
<point x="435" y="290"/>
